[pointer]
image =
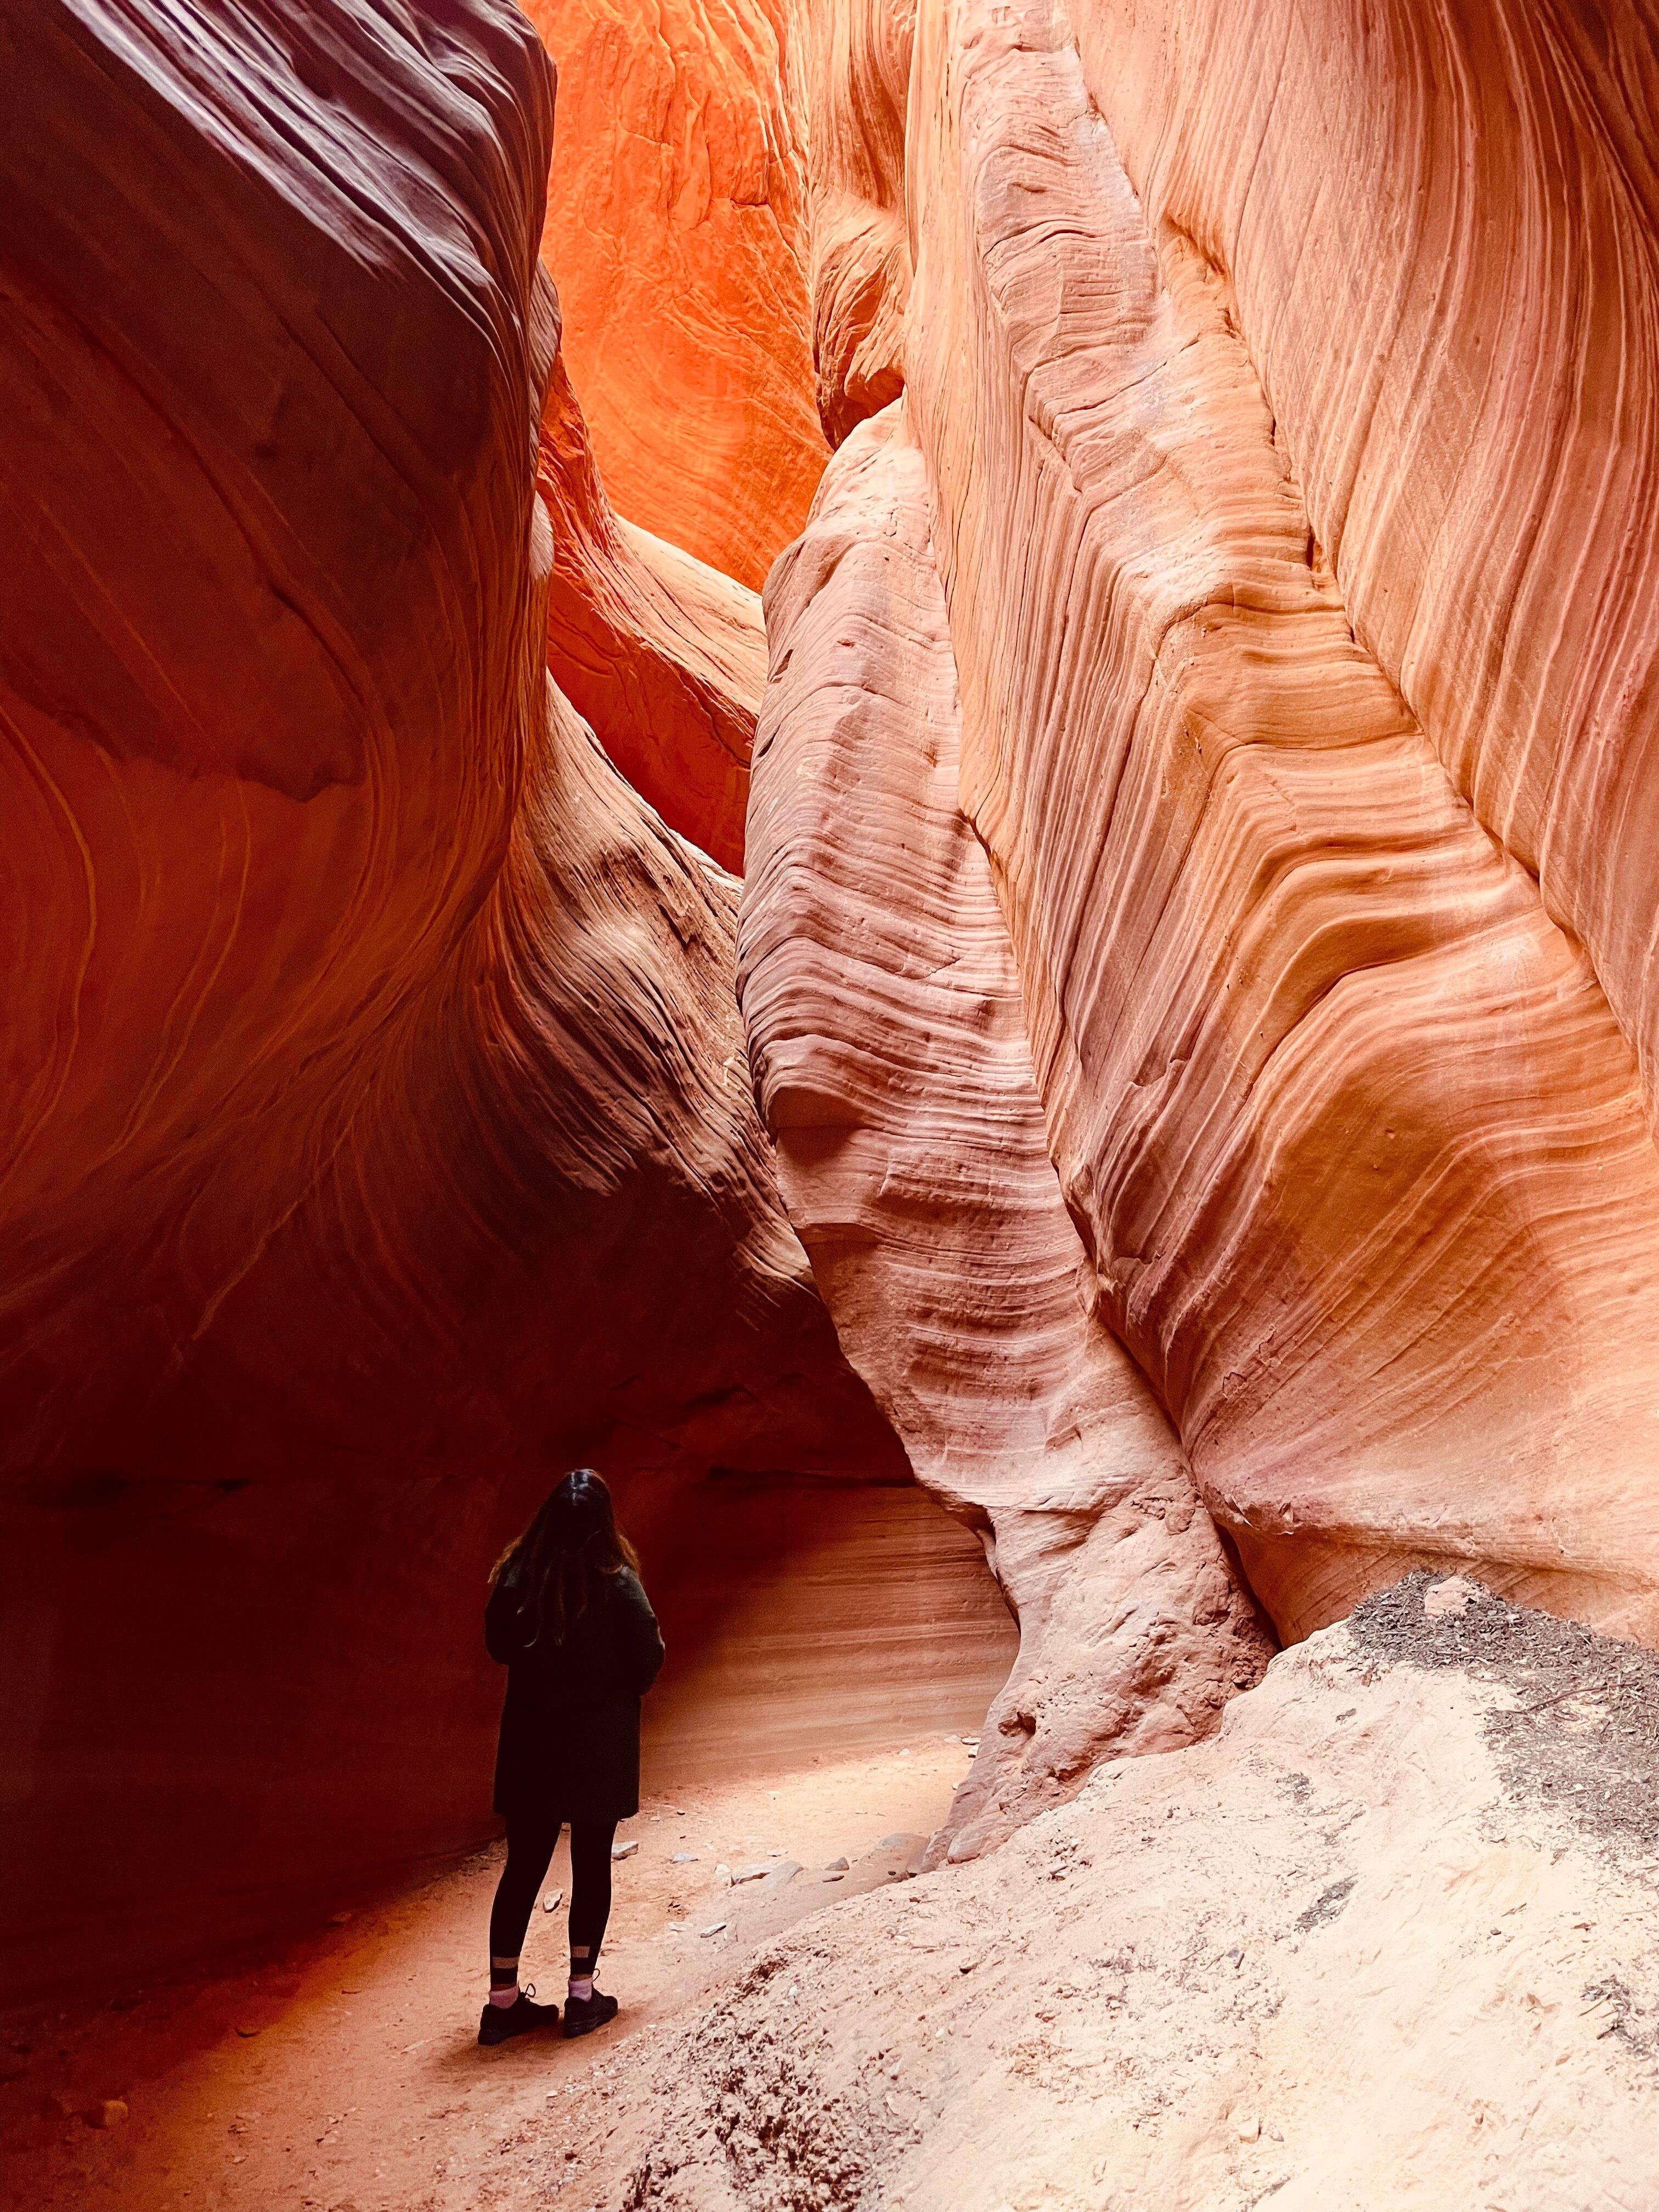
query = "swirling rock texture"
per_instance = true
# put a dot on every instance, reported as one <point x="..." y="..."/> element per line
<point x="890" y="1059"/>
<point x="379" y="1135"/>
<point x="674" y="234"/>
<point x="1305" y="682"/>
<point x="1341" y="1108"/>
<point x="851" y="68"/>
<point x="664" y="657"/>
<point x="1197" y="954"/>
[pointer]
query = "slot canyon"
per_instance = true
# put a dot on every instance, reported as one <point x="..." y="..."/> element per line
<point x="886" y="762"/>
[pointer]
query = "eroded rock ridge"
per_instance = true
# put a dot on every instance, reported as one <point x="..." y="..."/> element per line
<point x="1283" y="464"/>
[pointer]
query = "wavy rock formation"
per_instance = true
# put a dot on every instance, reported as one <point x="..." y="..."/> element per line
<point x="1340" y="1108"/>
<point x="1312" y="800"/>
<point x="380" y="1134"/>
<point x="851" y="74"/>
<point x="1197" y="960"/>
<point x="664" y="657"/>
<point x="1369" y="1946"/>
<point x="1468" y="404"/>
<point x="674" y="236"/>
<point x="890" y="1060"/>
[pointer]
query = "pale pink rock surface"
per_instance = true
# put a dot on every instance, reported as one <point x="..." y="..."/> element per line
<point x="1440" y="228"/>
<point x="888" y="1049"/>
<point x="1340" y="1109"/>
<point x="1385" y="1940"/>
<point x="851" y="69"/>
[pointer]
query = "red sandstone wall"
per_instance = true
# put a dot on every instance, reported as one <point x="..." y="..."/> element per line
<point x="674" y="236"/>
<point x="381" y="1138"/>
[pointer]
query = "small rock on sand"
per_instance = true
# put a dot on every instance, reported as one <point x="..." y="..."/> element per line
<point x="1453" y="1595"/>
<point x="553" y="1900"/>
<point x="683" y="1858"/>
<point x="625" y="1851"/>
<point x="111" y="2112"/>
<point x="713" y="1928"/>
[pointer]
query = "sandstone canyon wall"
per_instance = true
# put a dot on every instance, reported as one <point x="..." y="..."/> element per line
<point x="379" y="1137"/>
<point x="674" y="234"/>
<point x="1279" y="389"/>
<point x="1195" y="941"/>
<point x="891" y="1061"/>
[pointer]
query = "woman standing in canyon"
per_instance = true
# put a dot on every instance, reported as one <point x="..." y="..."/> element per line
<point x="570" y="1620"/>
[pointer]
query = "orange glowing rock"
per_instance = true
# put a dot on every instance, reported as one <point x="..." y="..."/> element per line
<point x="664" y="657"/>
<point x="674" y="236"/>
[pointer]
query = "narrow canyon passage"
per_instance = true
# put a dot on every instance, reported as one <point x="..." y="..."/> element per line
<point x="887" y="769"/>
<point x="834" y="1647"/>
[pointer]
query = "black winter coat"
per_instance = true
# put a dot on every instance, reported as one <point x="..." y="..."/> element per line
<point x="570" y="1727"/>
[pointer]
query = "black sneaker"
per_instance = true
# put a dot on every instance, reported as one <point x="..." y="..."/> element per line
<point x="502" y="2022"/>
<point x="583" y="2015"/>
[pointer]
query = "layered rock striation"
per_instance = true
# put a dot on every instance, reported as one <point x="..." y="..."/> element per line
<point x="1302" y="720"/>
<point x="851" y="72"/>
<point x="1441" y="232"/>
<point x="674" y="234"/>
<point x="890" y="1060"/>
<point x="379" y="1133"/>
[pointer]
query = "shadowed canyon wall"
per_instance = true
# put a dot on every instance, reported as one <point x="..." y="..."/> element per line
<point x="379" y="1135"/>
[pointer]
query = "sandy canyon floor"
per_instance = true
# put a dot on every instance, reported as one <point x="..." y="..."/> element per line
<point x="343" y="2074"/>
<point x="832" y="1649"/>
<point x="1383" y="1944"/>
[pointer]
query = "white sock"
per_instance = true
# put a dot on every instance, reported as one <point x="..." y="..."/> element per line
<point x="510" y="1995"/>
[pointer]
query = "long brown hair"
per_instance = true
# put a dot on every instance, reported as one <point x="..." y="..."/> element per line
<point x="555" y="1565"/>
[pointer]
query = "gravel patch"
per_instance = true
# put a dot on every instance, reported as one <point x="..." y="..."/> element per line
<point x="1582" y="1736"/>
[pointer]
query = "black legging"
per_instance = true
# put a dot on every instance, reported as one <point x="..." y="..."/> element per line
<point x="529" y="1854"/>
